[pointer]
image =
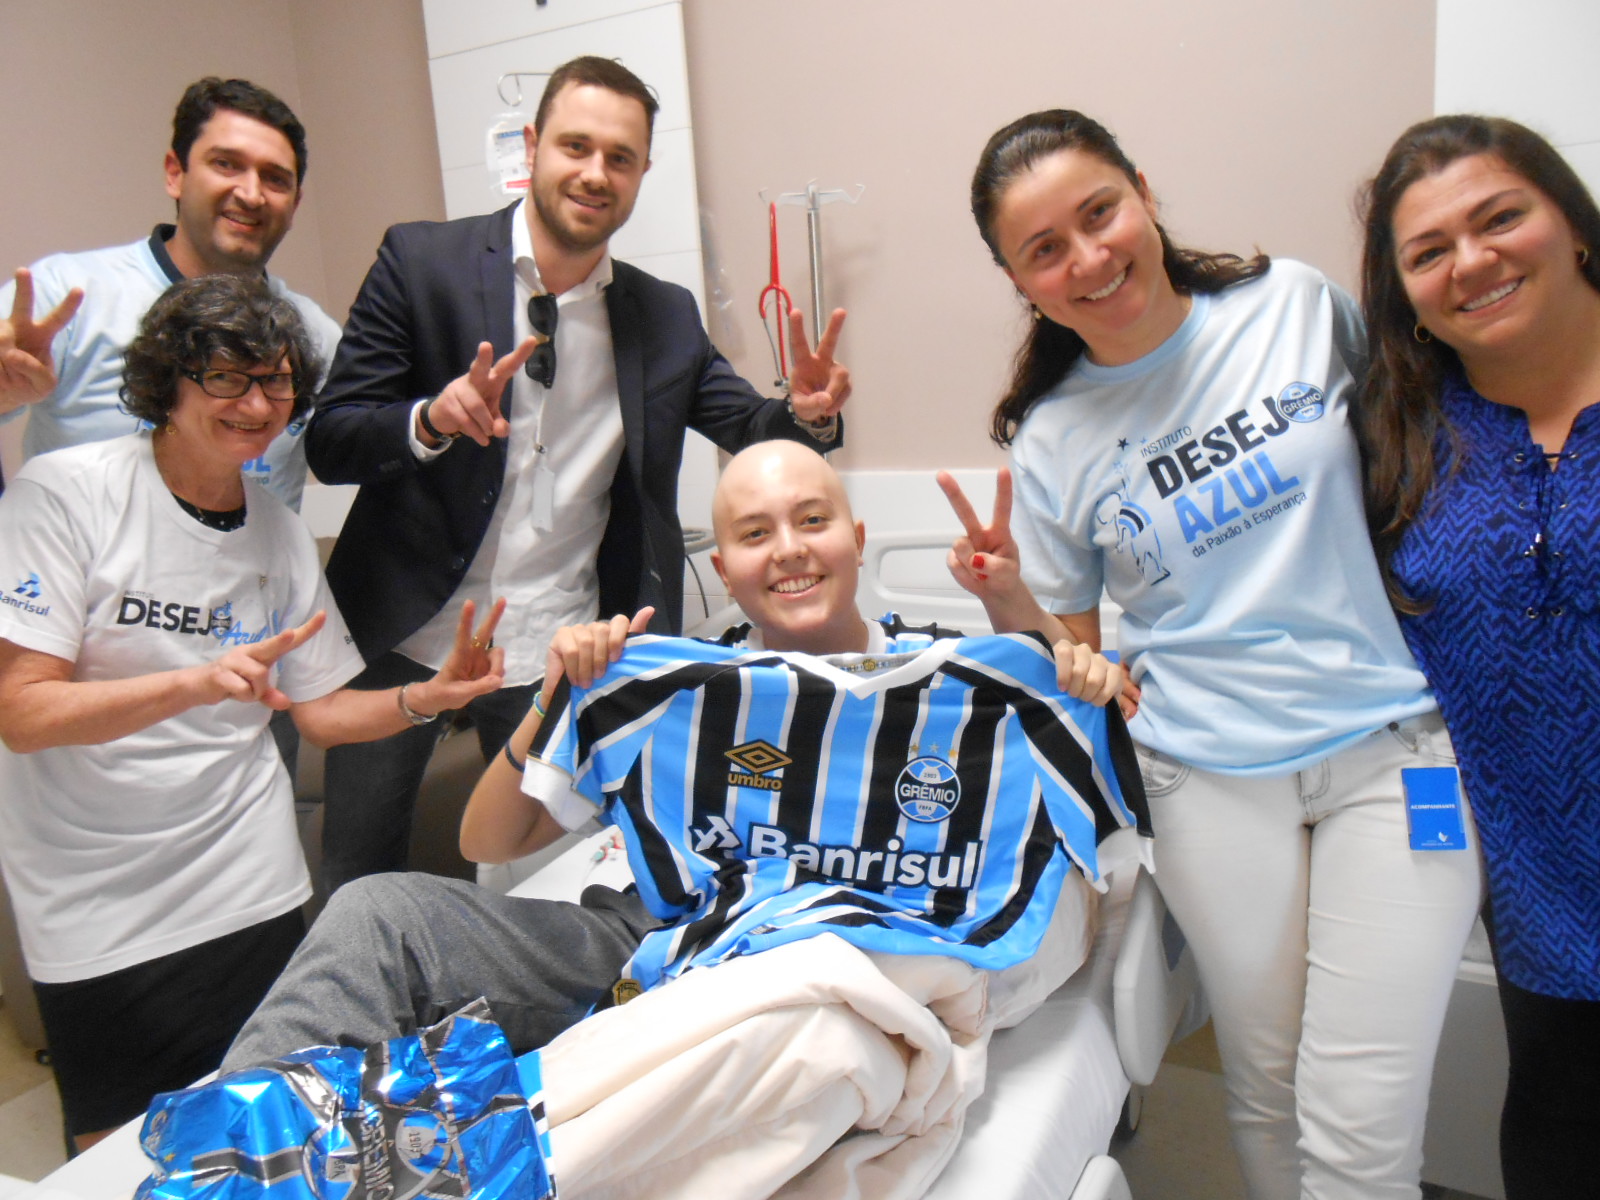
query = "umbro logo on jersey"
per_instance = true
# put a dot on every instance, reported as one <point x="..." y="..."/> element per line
<point x="758" y="761"/>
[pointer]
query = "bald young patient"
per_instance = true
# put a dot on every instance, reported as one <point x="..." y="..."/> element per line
<point x="392" y="953"/>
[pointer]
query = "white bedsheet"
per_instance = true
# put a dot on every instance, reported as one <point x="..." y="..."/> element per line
<point x="1055" y="1084"/>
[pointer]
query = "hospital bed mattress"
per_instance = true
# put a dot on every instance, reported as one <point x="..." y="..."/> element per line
<point x="1055" y="1090"/>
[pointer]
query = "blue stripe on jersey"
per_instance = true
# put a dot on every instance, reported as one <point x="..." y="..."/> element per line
<point x="932" y="800"/>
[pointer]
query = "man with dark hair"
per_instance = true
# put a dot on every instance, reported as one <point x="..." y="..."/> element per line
<point x="234" y="171"/>
<point x="204" y="98"/>
<point x="513" y="403"/>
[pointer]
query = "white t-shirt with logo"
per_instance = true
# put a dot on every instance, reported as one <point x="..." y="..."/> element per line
<point x="119" y="853"/>
<point x="1212" y="489"/>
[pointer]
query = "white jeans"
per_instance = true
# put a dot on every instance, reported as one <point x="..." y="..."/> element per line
<point x="1328" y="949"/>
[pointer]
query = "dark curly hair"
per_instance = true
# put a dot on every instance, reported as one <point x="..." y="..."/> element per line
<point x="238" y="319"/>
<point x="1049" y="351"/>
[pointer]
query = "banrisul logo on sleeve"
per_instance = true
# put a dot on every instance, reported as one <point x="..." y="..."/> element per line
<point x="29" y="589"/>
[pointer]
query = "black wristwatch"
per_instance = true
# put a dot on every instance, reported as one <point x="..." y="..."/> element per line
<point x="427" y="425"/>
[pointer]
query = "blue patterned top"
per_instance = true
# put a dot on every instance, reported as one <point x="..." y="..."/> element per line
<point x="1508" y="549"/>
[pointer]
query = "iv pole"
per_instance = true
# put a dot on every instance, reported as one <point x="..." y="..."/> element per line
<point x="813" y="198"/>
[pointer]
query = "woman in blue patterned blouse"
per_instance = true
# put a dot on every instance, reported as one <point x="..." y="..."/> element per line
<point x="1481" y="432"/>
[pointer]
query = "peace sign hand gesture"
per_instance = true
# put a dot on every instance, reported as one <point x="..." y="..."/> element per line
<point x="818" y="386"/>
<point x="245" y="672"/>
<point x="476" y="666"/>
<point x="27" y="370"/>
<point x="470" y="403"/>
<point x="984" y="559"/>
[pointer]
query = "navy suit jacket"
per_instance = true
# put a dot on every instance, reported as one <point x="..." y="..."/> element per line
<point x="435" y="292"/>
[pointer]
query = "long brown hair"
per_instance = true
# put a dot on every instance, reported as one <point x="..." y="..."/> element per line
<point x="1049" y="351"/>
<point x="1397" y="417"/>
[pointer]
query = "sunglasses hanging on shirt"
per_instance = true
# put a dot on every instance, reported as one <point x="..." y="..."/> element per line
<point x="542" y="313"/>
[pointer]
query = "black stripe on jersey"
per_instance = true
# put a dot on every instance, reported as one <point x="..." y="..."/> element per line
<point x="897" y="711"/>
<point x="559" y="699"/>
<point x="729" y="891"/>
<point x="649" y="839"/>
<point x="974" y="763"/>
<point x="716" y="732"/>
<point x="1044" y="729"/>
<point x="652" y="843"/>
<point x="808" y="724"/>
<point x="1076" y="765"/>
<point x="854" y="920"/>
<point x="1036" y="855"/>
<point x="1125" y="762"/>
<point x="1072" y="760"/>
<point x="606" y="712"/>
<point x="838" y="895"/>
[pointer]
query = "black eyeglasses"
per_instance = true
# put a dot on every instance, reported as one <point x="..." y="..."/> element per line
<point x="542" y="314"/>
<point x="230" y="385"/>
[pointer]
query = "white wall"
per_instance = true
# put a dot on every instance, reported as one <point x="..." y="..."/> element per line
<point x="1534" y="63"/>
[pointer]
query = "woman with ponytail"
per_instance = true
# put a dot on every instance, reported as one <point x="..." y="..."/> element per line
<point x="1180" y="441"/>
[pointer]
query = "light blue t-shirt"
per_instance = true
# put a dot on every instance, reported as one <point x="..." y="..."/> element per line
<point x="119" y="284"/>
<point x="1212" y="489"/>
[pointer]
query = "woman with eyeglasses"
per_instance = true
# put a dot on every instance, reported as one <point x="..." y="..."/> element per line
<point x="1179" y="434"/>
<point x="157" y="608"/>
<point x="1480" y="423"/>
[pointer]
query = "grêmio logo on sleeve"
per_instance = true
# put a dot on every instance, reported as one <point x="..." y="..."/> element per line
<point x="173" y="616"/>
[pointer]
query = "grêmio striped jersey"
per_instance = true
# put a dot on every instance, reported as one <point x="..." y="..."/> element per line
<point x="926" y="798"/>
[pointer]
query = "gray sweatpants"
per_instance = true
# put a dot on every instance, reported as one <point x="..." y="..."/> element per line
<point x="393" y="953"/>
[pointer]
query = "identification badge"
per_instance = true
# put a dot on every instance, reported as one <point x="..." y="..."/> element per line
<point x="1433" y="808"/>
<point x="544" y="495"/>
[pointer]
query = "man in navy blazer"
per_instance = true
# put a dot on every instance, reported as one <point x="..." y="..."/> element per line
<point x="513" y="403"/>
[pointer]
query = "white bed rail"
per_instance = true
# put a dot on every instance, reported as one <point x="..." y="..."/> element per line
<point x="1156" y="987"/>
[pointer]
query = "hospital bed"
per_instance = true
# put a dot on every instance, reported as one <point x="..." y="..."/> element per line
<point x="1059" y="1084"/>
<point x="1062" y="1082"/>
